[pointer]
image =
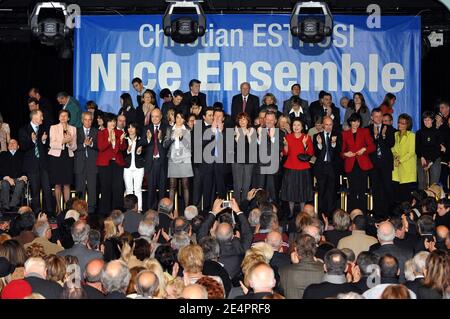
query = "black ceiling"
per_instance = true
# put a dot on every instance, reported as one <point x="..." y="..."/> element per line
<point x="14" y="13"/>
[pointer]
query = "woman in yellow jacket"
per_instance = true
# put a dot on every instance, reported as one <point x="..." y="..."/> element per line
<point x="404" y="174"/>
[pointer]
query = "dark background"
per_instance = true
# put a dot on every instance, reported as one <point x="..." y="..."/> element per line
<point x="24" y="62"/>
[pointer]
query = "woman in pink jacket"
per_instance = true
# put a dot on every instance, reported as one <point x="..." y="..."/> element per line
<point x="63" y="143"/>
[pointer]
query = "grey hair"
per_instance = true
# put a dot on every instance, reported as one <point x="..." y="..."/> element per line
<point x="211" y="248"/>
<point x="312" y="231"/>
<point x="180" y="240"/>
<point x="419" y="261"/>
<point x="154" y="219"/>
<point x="190" y="212"/>
<point x="166" y="209"/>
<point x="80" y="236"/>
<point x="33" y="263"/>
<point x="146" y="229"/>
<point x="409" y="270"/>
<point x="117" y="217"/>
<point x="225" y="237"/>
<point x="40" y="228"/>
<point x="253" y="217"/>
<point x="341" y="220"/>
<point x="146" y="291"/>
<point x="116" y="283"/>
<point x="350" y="295"/>
<point x="386" y="237"/>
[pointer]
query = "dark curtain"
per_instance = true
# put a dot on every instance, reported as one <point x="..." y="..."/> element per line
<point x="24" y="65"/>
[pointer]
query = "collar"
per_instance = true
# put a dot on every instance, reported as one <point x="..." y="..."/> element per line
<point x="245" y="96"/>
<point x="34" y="126"/>
<point x="12" y="152"/>
<point x="34" y="274"/>
<point x="174" y="127"/>
<point x="356" y="231"/>
<point x="300" y="110"/>
<point x="335" y="279"/>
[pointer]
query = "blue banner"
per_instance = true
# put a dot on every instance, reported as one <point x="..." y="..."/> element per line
<point x="111" y="50"/>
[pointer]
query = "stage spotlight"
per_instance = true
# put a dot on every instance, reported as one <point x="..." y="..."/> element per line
<point x="184" y="29"/>
<point x="311" y="21"/>
<point x="48" y="22"/>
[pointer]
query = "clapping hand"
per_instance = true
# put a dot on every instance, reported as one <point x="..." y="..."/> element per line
<point x="383" y="131"/>
<point x="149" y="135"/>
<point x="251" y="194"/>
<point x="139" y="150"/>
<point x="361" y="151"/>
<point x="122" y="137"/>
<point x="305" y="140"/>
<point x="319" y="139"/>
<point x="44" y="137"/>
<point x="217" y="206"/>
<point x="333" y="139"/>
<point x="349" y="154"/>
<point x="33" y="137"/>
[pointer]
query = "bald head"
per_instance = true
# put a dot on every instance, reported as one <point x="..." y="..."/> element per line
<point x="195" y="292"/>
<point x="146" y="283"/>
<point x="116" y="276"/>
<point x="35" y="265"/>
<point x="355" y="212"/>
<point x="165" y="206"/>
<point x="94" y="270"/>
<point x="442" y="232"/>
<point x="386" y="232"/>
<point x="224" y="232"/>
<point x="262" y="278"/>
<point x="275" y="240"/>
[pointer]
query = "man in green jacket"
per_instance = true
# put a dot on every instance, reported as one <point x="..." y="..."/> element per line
<point x="72" y="105"/>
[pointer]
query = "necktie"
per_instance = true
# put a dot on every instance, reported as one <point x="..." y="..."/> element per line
<point x="378" y="142"/>
<point x="327" y="148"/>
<point x="244" y="104"/>
<point x="87" y="136"/>
<point x="155" y="142"/>
<point x="216" y="147"/>
<point x="36" y="148"/>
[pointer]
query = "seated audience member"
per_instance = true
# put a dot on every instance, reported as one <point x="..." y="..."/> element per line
<point x="261" y="280"/>
<point x="35" y="275"/>
<point x="426" y="231"/>
<point x="334" y="281"/>
<point x="12" y="177"/>
<point x="365" y="266"/>
<point x="341" y="224"/>
<point x="14" y="252"/>
<point x="396" y="292"/>
<point x="115" y="279"/>
<point x="195" y="291"/>
<point x="358" y="241"/>
<point x="43" y="234"/>
<point x="22" y="228"/>
<point x="279" y="259"/>
<point x="92" y="279"/>
<point x="418" y="266"/>
<point x="437" y="276"/>
<point x="442" y="217"/>
<point x="132" y="216"/>
<point x="16" y="289"/>
<point x="268" y="222"/>
<point x="389" y="272"/>
<point x="214" y="288"/>
<point x="80" y="234"/>
<point x="304" y="271"/>
<point x="146" y="285"/>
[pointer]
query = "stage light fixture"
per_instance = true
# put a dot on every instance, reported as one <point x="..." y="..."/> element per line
<point x="311" y="21"/>
<point x="48" y="22"/>
<point x="184" y="29"/>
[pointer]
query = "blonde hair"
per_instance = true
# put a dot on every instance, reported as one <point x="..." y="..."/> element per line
<point x="153" y="265"/>
<point x="265" y="249"/>
<point x="287" y="118"/>
<point x="191" y="258"/>
<point x="4" y="237"/>
<point x="252" y="257"/>
<point x="109" y="228"/>
<point x="177" y="286"/>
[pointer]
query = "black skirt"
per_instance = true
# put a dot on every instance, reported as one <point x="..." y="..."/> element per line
<point x="61" y="168"/>
<point x="297" y="186"/>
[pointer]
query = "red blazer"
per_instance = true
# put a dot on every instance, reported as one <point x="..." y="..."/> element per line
<point x="105" y="150"/>
<point x="295" y="147"/>
<point x="363" y="139"/>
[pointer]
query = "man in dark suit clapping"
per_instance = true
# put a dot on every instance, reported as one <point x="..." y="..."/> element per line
<point x="34" y="142"/>
<point x="194" y="90"/>
<point x="85" y="168"/>
<point x="245" y="102"/>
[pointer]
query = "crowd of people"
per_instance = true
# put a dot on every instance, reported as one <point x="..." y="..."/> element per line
<point x="224" y="219"/>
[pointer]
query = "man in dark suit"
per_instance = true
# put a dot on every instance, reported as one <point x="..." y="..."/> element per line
<point x="72" y="105"/>
<point x="334" y="281"/>
<point x="383" y="164"/>
<point x="45" y="105"/>
<point x="386" y="235"/>
<point x="34" y="141"/>
<point x="80" y="235"/>
<point x="194" y="90"/>
<point x="266" y="170"/>
<point x="364" y="263"/>
<point x="33" y="104"/>
<point x="325" y="107"/>
<point x="287" y="104"/>
<point x="262" y="281"/>
<point x="155" y="158"/>
<point x="245" y="102"/>
<point x="177" y="103"/>
<point x="132" y="217"/>
<point x="327" y="146"/>
<point x="35" y="275"/>
<point x="11" y="176"/>
<point x="85" y="168"/>
<point x="139" y="88"/>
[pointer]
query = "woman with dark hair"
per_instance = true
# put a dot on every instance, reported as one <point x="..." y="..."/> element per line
<point x="63" y="143"/>
<point x="133" y="174"/>
<point x="92" y="107"/>
<point x="357" y="144"/>
<point x="178" y="143"/>
<point x="110" y="162"/>
<point x="388" y="103"/>
<point x="358" y="105"/>
<point x="404" y="174"/>
<point x="297" y="183"/>
<point x="144" y="111"/>
<point x="242" y="168"/>
<point x="101" y="120"/>
<point x="428" y="147"/>
<point x="436" y="283"/>
<point x="269" y="101"/>
<point x="127" y="109"/>
<point x="16" y="255"/>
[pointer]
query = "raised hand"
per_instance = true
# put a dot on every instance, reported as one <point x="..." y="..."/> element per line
<point x="305" y="140"/>
<point x="122" y="137"/>
<point x="217" y="206"/>
<point x="139" y="150"/>
<point x="149" y="135"/>
<point x="234" y="205"/>
<point x="333" y="139"/>
<point x="383" y="131"/>
<point x="44" y="137"/>
<point x="33" y="137"/>
<point x="319" y="139"/>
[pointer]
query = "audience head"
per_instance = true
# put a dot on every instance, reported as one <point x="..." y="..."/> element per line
<point x="261" y="278"/>
<point x="13" y="251"/>
<point x="115" y="276"/>
<point x="395" y="292"/>
<point x="365" y="262"/>
<point x="195" y="291"/>
<point x="437" y="271"/>
<point x="426" y="225"/>
<point x="142" y="249"/>
<point x="214" y="288"/>
<point x="335" y="262"/>
<point x="305" y="246"/>
<point x="275" y="240"/>
<point x="42" y="229"/>
<point x="93" y="272"/>
<point x="130" y="202"/>
<point x="386" y="233"/>
<point x="224" y="233"/>
<point x="146" y="229"/>
<point x="165" y="206"/>
<point x="180" y="240"/>
<point x="35" y="265"/>
<point x="210" y="247"/>
<point x="191" y="258"/>
<point x="341" y="220"/>
<point x="389" y="266"/>
<point x="56" y="268"/>
<point x="190" y="212"/>
<point x="80" y="232"/>
<point x="146" y="283"/>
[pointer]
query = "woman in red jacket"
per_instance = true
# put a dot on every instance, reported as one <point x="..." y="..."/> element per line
<point x="110" y="164"/>
<point x="357" y="144"/>
<point x="297" y="183"/>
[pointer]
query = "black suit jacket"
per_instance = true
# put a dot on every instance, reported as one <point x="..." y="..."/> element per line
<point x="334" y="151"/>
<point x="414" y="285"/>
<point x="279" y="260"/>
<point x="149" y="145"/>
<point x="47" y="288"/>
<point x="386" y="161"/>
<point x="287" y="105"/>
<point x="305" y="116"/>
<point x="11" y="165"/>
<point x="316" y="110"/>
<point x="130" y="115"/>
<point x="213" y="268"/>
<point x="139" y="160"/>
<point x="401" y="254"/>
<point x="187" y="96"/>
<point x="32" y="164"/>
<point x="251" y="108"/>
<point x="270" y="148"/>
<point x="81" y="162"/>
<point x="328" y="290"/>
